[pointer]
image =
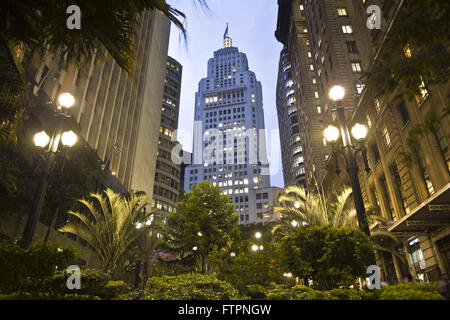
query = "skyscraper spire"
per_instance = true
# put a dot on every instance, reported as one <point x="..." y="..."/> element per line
<point x="225" y="35"/>
<point x="227" y="42"/>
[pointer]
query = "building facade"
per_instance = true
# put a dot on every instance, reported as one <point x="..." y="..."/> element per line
<point x="288" y="122"/>
<point x="229" y="146"/>
<point x="118" y="114"/>
<point x="167" y="175"/>
<point x="323" y="42"/>
<point x="408" y="182"/>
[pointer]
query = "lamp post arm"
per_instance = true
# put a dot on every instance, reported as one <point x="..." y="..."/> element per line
<point x="39" y="196"/>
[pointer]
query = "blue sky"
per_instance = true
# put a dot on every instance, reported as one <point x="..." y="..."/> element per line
<point x="252" y="24"/>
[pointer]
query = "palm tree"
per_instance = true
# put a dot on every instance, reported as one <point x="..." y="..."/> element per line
<point x="40" y="26"/>
<point x="109" y="225"/>
<point x="296" y="207"/>
<point x="315" y="209"/>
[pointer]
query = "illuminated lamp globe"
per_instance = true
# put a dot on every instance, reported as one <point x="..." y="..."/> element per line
<point x="336" y="93"/>
<point x="258" y="235"/>
<point x="41" y="139"/>
<point x="331" y="133"/>
<point x="359" y="131"/>
<point x="69" y="138"/>
<point x="294" y="223"/>
<point x="254" y="247"/>
<point x="66" y="100"/>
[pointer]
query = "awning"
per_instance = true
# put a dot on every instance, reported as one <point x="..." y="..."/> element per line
<point x="431" y="214"/>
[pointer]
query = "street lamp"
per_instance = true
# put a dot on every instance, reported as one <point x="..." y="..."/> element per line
<point x="349" y="152"/>
<point x="258" y="235"/>
<point x="41" y="139"/>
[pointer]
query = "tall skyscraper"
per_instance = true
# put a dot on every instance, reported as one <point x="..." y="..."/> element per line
<point x="167" y="176"/>
<point x="229" y="142"/>
<point x="288" y="122"/>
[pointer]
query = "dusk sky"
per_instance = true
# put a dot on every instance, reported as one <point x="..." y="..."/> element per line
<point x="252" y="25"/>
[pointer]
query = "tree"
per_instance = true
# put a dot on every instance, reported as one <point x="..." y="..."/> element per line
<point x="204" y="220"/>
<point x="109" y="225"/>
<point x="331" y="257"/>
<point x="415" y="50"/>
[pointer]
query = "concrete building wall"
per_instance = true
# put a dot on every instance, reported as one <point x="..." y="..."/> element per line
<point x="167" y="177"/>
<point x="289" y="117"/>
<point x="118" y="113"/>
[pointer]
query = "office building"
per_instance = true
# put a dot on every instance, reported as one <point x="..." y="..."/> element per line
<point x="229" y="140"/>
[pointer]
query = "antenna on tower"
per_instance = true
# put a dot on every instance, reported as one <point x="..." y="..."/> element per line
<point x="227" y="42"/>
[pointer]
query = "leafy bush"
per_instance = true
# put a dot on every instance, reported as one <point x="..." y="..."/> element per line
<point x="21" y="267"/>
<point x="346" y="294"/>
<point x="411" y="291"/>
<point x="256" y="292"/>
<point x="93" y="283"/>
<point x="248" y="268"/>
<point x="189" y="287"/>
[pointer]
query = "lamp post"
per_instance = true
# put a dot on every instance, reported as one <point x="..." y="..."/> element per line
<point x="41" y="140"/>
<point x="349" y="152"/>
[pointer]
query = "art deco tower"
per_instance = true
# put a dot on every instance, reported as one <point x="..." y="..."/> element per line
<point x="229" y="142"/>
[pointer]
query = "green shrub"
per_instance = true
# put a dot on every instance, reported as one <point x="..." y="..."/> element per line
<point x="189" y="287"/>
<point x="256" y="292"/>
<point x="21" y="267"/>
<point x="279" y="292"/>
<point x="93" y="283"/>
<point x="411" y="291"/>
<point x="346" y="294"/>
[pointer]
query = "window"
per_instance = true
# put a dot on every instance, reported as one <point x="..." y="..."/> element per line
<point x="369" y="122"/>
<point x="443" y="144"/>
<point x="356" y="66"/>
<point x="424" y="171"/>
<point x="347" y="29"/>
<point x="423" y="92"/>
<point x="407" y="51"/>
<point x="351" y="46"/>
<point x="319" y="110"/>
<point x="387" y="139"/>
<point x="404" y="115"/>
<point x="400" y="187"/>
<point x="298" y="161"/>
<point x="377" y="105"/>
<point x="316" y="94"/>
<point x="297" y="149"/>
<point x="360" y="87"/>
<point x="375" y="153"/>
<point x="342" y="12"/>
